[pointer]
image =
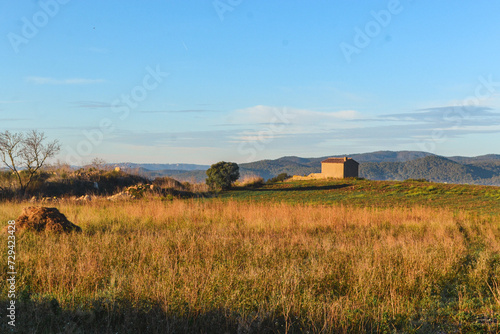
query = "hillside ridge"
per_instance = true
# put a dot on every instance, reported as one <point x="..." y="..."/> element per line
<point x="378" y="165"/>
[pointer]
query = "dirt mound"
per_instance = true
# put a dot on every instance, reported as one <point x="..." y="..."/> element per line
<point x="44" y="219"/>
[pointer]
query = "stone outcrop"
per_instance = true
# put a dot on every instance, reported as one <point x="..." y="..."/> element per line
<point x="137" y="191"/>
<point x="120" y="196"/>
<point x="84" y="198"/>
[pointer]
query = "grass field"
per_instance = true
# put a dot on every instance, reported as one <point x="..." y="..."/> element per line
<point x="381" y="257"/>
<point x="365" y="193"/>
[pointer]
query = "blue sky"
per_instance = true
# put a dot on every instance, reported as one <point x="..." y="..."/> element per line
<point x="240" y="80"/>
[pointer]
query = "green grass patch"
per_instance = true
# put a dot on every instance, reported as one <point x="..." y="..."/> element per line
<point x="366" y="193"/>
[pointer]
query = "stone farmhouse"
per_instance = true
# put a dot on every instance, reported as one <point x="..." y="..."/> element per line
<point x="338" y="168"/>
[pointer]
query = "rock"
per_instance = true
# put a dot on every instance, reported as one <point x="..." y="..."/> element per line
<point x="84" y="198"/>
<point x="50" y="200"/>
<point x="120" y="196"/>
<point x="41" y="219"/>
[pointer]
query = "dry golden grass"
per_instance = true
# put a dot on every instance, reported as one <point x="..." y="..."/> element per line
<point x="215" y="266"/>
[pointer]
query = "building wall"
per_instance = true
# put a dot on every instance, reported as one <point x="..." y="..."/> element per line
<point x="351" y="169"/>
<point x="340" y="170"/>
<point x="332" y="170"/>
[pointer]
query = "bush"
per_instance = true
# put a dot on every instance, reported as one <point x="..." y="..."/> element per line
<point x="221" y="175"/>
<point x="6" y="193"/>
<point x="166" y="182"/>
<point x="416" y="180"/>
<point x="84" y="182"/>
<point x="280" y="178"/>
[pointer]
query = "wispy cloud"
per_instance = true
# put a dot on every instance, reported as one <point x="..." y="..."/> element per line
<point x="330" y="129"/>
<point x="172" y="139"/>
<point x="469" y="129"/>
<point x="455" y="120"/>
<point x="91" y="104"/>
<point x="70" y="81"/>
<point x="12" y="119"/>
<point x="444" y="114"/>
<point x="309" y="132"/>
<point x="176" y="111"/>
<point x="264" y="114"/>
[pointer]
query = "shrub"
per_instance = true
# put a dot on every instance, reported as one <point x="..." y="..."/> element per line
<point x="6" y="193"/>
<point x="279" y="178"/>
<point x="416" y="180"/>
<point x="168" y="182"/>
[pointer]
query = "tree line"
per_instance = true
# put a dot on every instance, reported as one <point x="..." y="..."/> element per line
<point x="25" y="154"/>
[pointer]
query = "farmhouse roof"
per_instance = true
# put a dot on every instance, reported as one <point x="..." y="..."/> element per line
<point x="337" y="160"/>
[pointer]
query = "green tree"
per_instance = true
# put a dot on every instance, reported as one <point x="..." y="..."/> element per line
<point x="221" y="175"/>
<point x="25" y="154"/>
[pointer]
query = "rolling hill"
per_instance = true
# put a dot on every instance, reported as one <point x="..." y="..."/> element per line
<point x="380" y="165"/>
<point x="432" y="168"/>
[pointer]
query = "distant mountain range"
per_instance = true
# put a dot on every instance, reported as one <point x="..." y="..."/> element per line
<point x="157" y="167"/>
<point x="381" y="165"/>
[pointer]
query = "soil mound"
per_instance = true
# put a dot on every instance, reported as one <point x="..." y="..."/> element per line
<point x="41" y="219"/>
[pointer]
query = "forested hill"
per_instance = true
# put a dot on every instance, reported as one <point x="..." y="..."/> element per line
<point x="381" y="165"/>
<point x="393" y="166"/>
<point x="434" y="168"/>
<point x="303" y="166"/>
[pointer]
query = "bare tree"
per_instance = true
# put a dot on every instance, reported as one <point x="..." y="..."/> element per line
<point x="25" y="154"/>
<point x="10" y="146"/>
<point x="98" y="163"/>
